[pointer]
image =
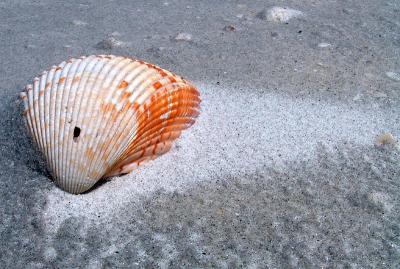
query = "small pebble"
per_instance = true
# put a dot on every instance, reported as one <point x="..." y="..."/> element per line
<point x="381" y="199"/>
<point x="115" y="33"/>
<point x="279" y="14"/>
<point x="50" y="254"/>
<point x="183" y="37"/>
<point x="324" y="45"/>
<point x="357" y="97"/>
<point x="30" y="46"/>
<point x="380" y="95"/>
<point x="229" y="28"/>
<point x="110" y="43"/>
<point x="393" y="75"/>
<point x="79" y="23"/>
<point x="385" y="139"/>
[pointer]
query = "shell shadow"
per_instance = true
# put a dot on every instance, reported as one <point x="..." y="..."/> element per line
<point x="18" y="146"/>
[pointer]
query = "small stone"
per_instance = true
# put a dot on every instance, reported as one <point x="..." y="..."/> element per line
<point x="262" y="15"/>
<point x="357" y="97"/>
<point x="279" y="14"/>
<point x="381" y="199"/>
<point x="183" y="37"/>
<point x="324" y="45"/>
<point x="79" y="23"/>
<point x="240" y="16"/>
<point x="393" y="75"/>
<point x="229" y="28"/>
<point x="380" y="95"/>
<point x="30" y="46"/>
<point x="385" y="139"/>
<point x="50" y="254"/>
<point x="110" y="43"/>
<point x="115" y="34"/>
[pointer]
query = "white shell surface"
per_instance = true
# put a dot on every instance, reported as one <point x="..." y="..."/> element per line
<point x="100" y="116"/>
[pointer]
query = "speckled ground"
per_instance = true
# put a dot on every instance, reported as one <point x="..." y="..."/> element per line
<point x="281" y="169"/>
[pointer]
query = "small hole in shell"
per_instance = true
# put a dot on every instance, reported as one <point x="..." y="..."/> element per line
<point x="77" y="132"/>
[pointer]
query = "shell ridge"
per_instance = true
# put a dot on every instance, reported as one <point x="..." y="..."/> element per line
<point x="79" y="94"/>
<point x="30" y="114"/>
<point x="177" y="124"/>
<point x="108" y="115"/>
<point x="134" y="135"/>
<point x="84" y="101"/>
<point x="46" y="100"/>
<point x="58" y="95"/>
<point x="132" y="143"/>
<point x="62" y="120"/>
<point x="35" y="109"/>
<point x="135" y="73"/>
<point x="71" y="112"/>
<point x="108" y="67"/>
<point x="52" y="113"/>
<point x="42" y="83"/>
<point x="63" y="159"/>
<point x="24" y="97"/>
<point x="117" y="67"/>
<point x="144" y="79"/>
<point x="147" y="128"/>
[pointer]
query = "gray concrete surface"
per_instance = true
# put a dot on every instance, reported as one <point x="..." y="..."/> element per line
<point x="281" y="170"/>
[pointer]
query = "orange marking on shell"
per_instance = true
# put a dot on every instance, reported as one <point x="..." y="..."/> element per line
<point x="126" y="95"/>
<point x="123" y="84"/>
<point x="76" y="79"/>
<point x="172" y="79"/>
<point x="157" y="85"/>
<point x="62" y="79"/>
<point x="41" y="93"/>
<point x="47" y="86"/>
<point x="162" y="73"/>
<point x="94" y="174"/>
<point x="107" y="107"/>
<point x="90" y="154"/>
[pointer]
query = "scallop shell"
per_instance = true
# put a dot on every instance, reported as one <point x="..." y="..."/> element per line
<point x="100" y="116"/>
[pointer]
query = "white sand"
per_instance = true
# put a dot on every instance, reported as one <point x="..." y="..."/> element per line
<point x="238" y="131"/>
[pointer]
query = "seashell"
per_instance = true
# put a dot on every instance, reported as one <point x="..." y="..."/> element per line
<point x="101" y="116"/>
